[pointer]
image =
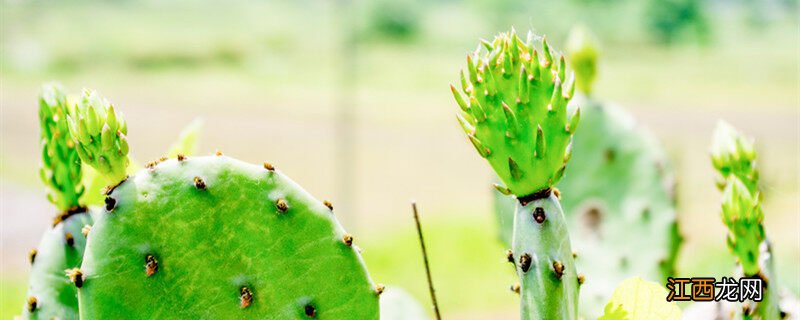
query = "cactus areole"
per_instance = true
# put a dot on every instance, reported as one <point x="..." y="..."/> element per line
<point x="216" y="238"/>
<point x="513" y="107"/>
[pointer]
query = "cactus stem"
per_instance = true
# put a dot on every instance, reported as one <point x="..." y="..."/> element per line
<point x="557" y="192"/>
<point x="483" y="151"/>
<point x="150" y="265"/>
<point x="68" y="213"/>
<point x="347" y="239"/>
<point x="379" y="289"/>
<point x="269" y="166"/>
<point x="32" y="255"/>
<point x="110" y="204"/>
<point x="69" y="238"/>
<point x="328" y="204"/>
<point x="32" y="303"/>
<point x="245" y="297"/>
<point x="199" y="183"/>
<point x="558" y="268"/>
<point x="281" y="205"/>
<point x="538" y="215"/>
<point x="581" y="278"/>
<point x="525" y="262"/>
<point x="85" y="230"/>
<point x="75" y="276"/>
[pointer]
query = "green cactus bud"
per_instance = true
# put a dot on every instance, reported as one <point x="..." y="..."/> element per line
<point x="61" y="165"/>
<point x="518" y="108"/>
<point x="734" y="154"/>
<point x="216" y="238"/>
<point x="100" y="135"/>
<point x="582" y="51"/>
<point x="742" y="214"/>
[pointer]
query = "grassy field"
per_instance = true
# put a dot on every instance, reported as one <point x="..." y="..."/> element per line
<point x="268" y="88"/>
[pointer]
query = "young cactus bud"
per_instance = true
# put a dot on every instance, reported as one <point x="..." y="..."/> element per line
<point x="517" y="114"/>
<point x="61" y="166"/>
<point x="582" y="52"/>
<point x="732" y="154"/>
<point x="742" y="214"/>
<point x="99" y="134"/>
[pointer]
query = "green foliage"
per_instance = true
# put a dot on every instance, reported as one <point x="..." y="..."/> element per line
<point x="513" y="102"/>
<point x="240" y="240"/>
<point x="50" y="295"/>
<point x="99" y="134"/>
<point x="61" y="166"/>
<point x="395" y="19"/>
<point x="669" y="20"/>
<point x="635" y="299"/>
<point x="544" y="262"/>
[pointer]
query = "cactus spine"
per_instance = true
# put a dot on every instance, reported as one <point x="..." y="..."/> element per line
<point x="62" y="245"/>
<point x="212" y="232"/>
<point x="734" y="158"/>
<point x="513" y="102"/>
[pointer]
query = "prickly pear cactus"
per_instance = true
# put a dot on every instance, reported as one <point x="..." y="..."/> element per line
<point x="50" y="295"/>
<point x="219" y="233"/>
<point x="513" y="101"/>
<point x="734" y="158"/>
<point x="212" y="238"/>
<point x="618" y="198"/>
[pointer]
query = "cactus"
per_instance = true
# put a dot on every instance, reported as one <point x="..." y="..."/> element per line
<point x="620" y="198"/>
<point x="212" y="232"/>
<point x="99" y="134"/>
<point x="734" y="158"/>
<point x="61" y="247"/>
<point x="513" y="102"/>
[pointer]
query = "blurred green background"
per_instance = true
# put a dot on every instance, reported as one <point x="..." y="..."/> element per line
<point x="350" y="99"/>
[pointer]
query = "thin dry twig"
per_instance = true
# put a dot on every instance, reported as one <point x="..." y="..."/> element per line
<point x="425" y="259"/>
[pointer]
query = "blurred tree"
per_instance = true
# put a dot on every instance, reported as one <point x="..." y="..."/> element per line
<point x="395" y="19"/>
<point x="669" y="20"/>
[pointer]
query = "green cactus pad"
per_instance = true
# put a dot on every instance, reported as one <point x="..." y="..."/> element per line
<point x="50" y="294"/>
<point x="99" y="134"/>
<point x="513" y="102"/>
<point x="543" y="259"/>
<point x="216" y="238"/>
<point x="61" y="166"/>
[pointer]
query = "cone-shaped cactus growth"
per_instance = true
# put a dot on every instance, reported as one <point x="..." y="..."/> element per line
<point x="219" y="233"/>
<point x="50" y="296"/>
<point x="99" y="135"/>
<point x="618" y="197"/>
<point x="513" y="101"/>
<point x="734" y="157"/>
